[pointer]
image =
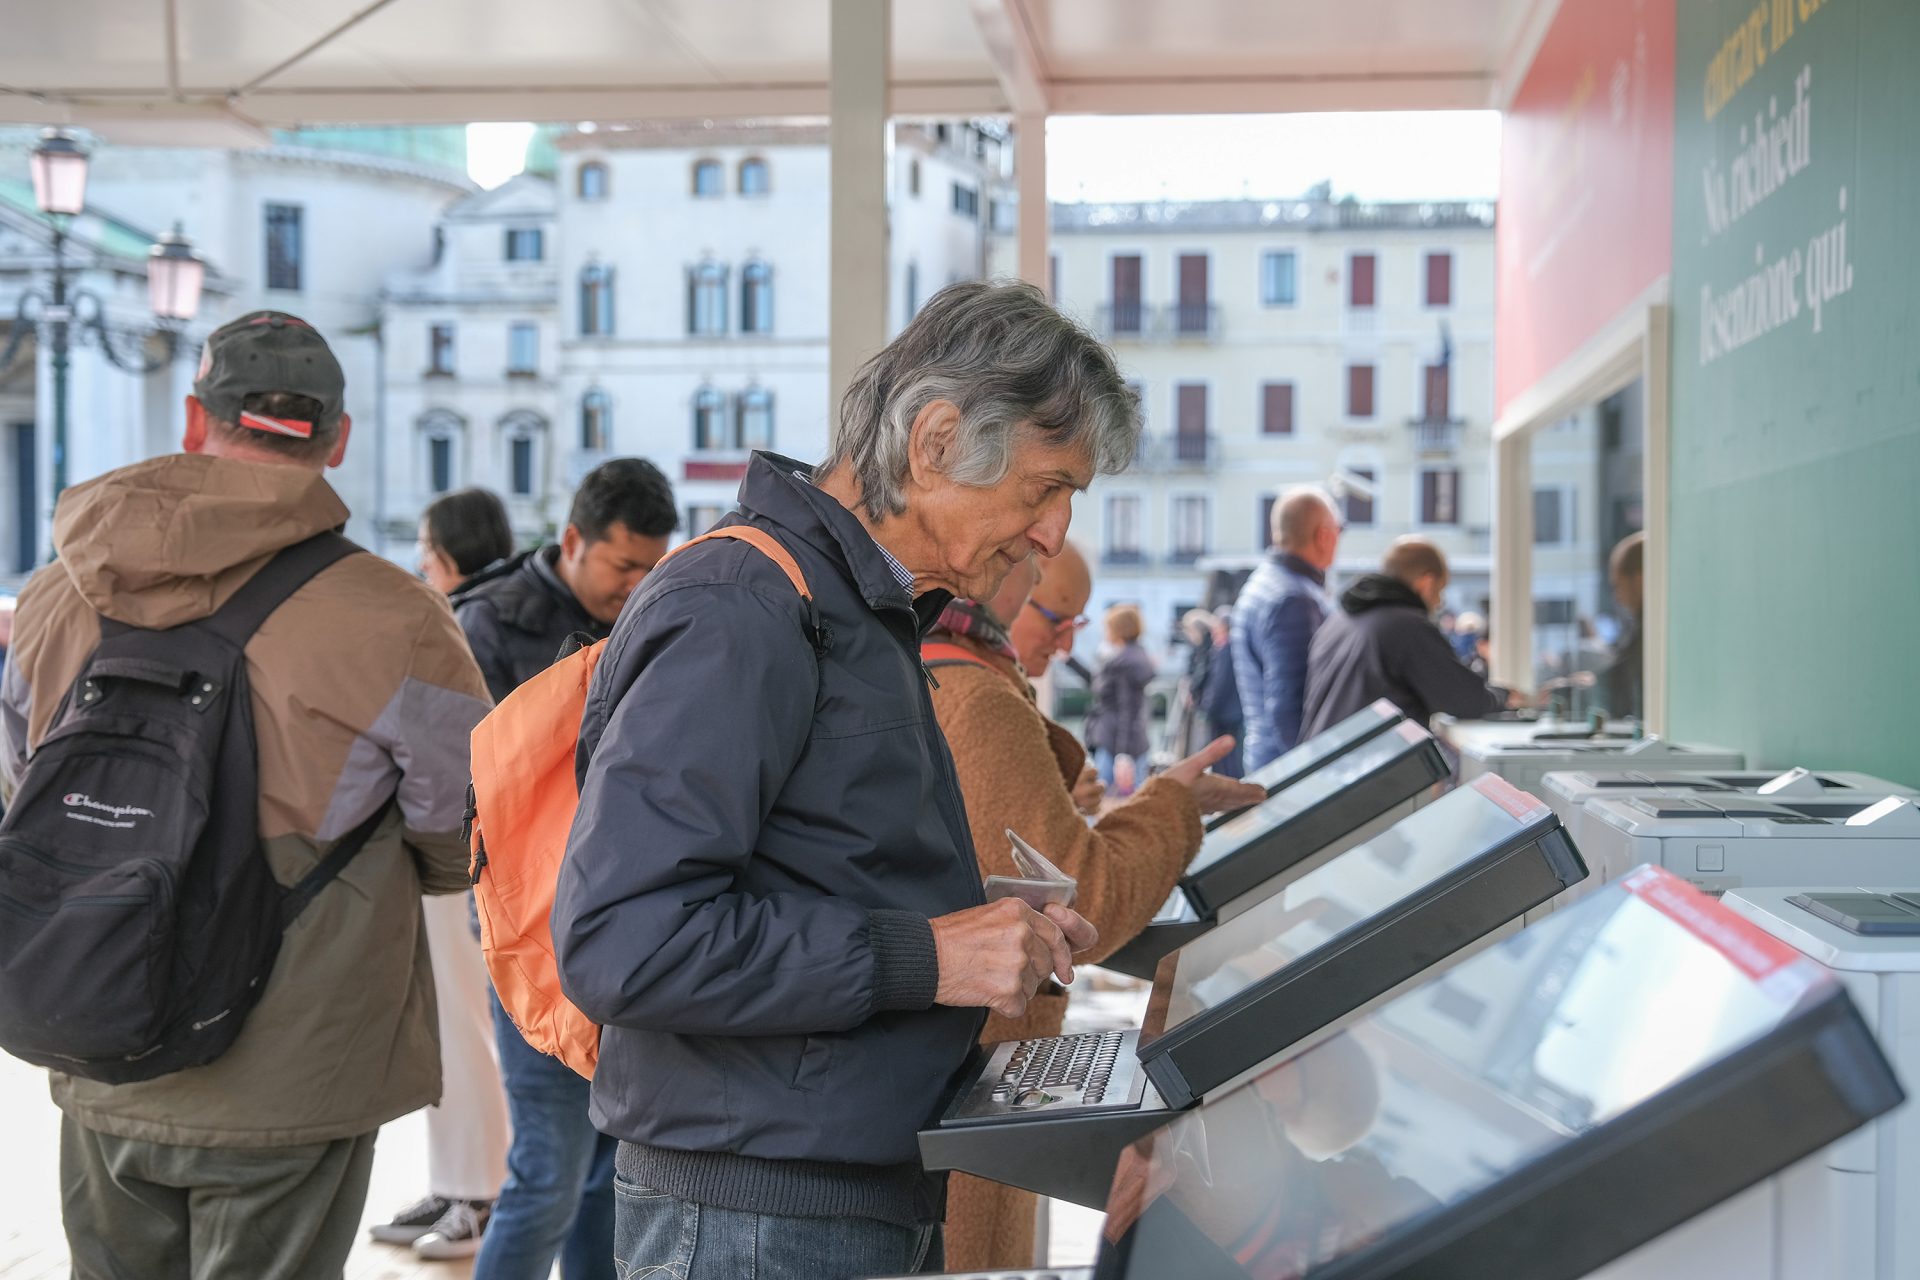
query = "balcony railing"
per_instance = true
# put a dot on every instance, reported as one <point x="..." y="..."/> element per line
<point x="1182" y="451"/>
<point x="1125" y="318"/>
<point x="1193" y="321"/>
<point x="1436" y="435"/>
<point x="1185" y="557"/>
<point x="1123" y="557"/>
<point x="1131" y="320"/>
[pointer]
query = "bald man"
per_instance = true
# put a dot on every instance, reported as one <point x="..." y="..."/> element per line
<point x="1275" y="619"/>
<point x="1054" y="612"/>
<point x="1383" y="644"/>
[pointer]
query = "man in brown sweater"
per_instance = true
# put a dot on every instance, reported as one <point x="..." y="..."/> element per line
<point x="1017" y="769"/>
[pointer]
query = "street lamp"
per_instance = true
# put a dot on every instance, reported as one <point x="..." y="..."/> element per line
<point x="174" y="279"/>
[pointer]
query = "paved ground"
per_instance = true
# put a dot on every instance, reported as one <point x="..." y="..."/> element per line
<point x="33" y="1248"/>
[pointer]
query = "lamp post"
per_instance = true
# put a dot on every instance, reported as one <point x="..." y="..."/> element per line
<point x="63" y="314"/>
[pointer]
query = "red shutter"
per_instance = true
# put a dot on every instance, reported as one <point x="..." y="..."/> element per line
<point x="1360" y="280"/>
<point x="1359" y="391"/>
<point x="1277" y="409"/>
<point x="1439" y="279"/>
<point x="1191" y="418"/>
<point x="1438" y="389"/>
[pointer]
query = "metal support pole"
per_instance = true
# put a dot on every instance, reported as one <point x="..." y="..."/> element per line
<point x="1030" y="165"/>
<point x="57" y="317"/>
<point x="861" y="43"/>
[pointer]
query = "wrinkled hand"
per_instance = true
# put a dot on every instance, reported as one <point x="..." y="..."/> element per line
<point x="1089" y="792"/>
<point x="995" y="957"/>
<point x="1213" y="793"/>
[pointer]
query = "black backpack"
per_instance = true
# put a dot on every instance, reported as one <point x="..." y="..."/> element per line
<point x="139" y="919"/>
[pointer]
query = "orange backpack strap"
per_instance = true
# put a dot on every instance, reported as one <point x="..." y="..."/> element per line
<point x="938" y="653"/>
<point x="770" y="547"/>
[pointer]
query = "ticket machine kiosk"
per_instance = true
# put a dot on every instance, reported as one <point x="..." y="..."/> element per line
<point x="1524" y="764"/>
<point x="1569" y="792"/>
<point x="1730" y="842"/>
<point x="1329" y="744"/>
<point x="1052" y="1114"/>
<point x="1350" y="797"/>
<point x="1539" y="1110"/>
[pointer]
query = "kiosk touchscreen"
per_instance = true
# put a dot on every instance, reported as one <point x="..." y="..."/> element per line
<point x="1569" y="793"/>
<point x="1052" y="1114"/>
<point x="1729" y="842"/>
<point x="1537" y="1111"/>
<point x="1290" y="767"/>
<point x="1344" y="801"/>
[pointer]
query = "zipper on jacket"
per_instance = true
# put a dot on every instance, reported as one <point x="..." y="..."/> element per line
<point x="927" y="671"/>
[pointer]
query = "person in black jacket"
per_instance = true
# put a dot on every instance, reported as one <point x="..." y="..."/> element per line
<point x="558" y="1198"/>
<point x="1382" y="643"/>
<point x="770" y="899"/>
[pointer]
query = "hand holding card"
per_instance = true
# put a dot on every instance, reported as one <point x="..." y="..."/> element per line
<point x="1039" y="881"/>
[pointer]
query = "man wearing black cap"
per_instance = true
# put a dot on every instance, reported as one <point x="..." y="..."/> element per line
<point x="255" y="1165"/>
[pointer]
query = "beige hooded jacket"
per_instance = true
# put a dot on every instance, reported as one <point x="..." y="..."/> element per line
<point x="363" y="688"/>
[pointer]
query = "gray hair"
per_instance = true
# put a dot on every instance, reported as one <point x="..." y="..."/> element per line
<point x="1011" y="364"/>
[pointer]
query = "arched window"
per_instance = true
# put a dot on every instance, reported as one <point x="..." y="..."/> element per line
<point x="756" y="298"/>
<point x="756" y="418"/>
<point x="522" y="433"/>
<point x="710" y="421"/>
<point x="441" y="435"/>
<point x="754" y="178"/>
<point x="593" y="181"/>
<point x="596" y="301"/>
<point x="596" y="422"/>
<point x="707" y="299"/>
<point x="708" y="179"/>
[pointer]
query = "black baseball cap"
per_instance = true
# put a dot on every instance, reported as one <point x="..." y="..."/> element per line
<point x="265" y="351"/>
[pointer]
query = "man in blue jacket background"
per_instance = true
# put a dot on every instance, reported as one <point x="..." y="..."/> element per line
<point x="770" y="898"/>
<point x="1274" y="620"/>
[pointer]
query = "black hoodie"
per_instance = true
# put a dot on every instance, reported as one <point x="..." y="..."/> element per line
<point x="1381" y="644"/>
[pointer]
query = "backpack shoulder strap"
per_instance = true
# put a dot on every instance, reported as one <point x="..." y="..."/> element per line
<point x="770" y="547"/>
<point x="241" y="616"/>
<point x="938" y="653"/>
<point x="763" y="542"/>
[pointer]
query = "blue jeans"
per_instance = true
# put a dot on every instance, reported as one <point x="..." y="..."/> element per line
<point x="558" y="1198"/>
<point x="658" y="1235"/>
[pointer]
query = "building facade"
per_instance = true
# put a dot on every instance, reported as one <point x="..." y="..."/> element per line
<point x="471" y="365"/>
<point x="1276" y="343"/>
<point x="670" y="301"/>
<point x="313" y="230"/>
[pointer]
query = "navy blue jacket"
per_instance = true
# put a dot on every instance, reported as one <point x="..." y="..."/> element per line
<point x="768" y="819"/>
<point x="518" y="615"/>
<point x="1274" y="621"/>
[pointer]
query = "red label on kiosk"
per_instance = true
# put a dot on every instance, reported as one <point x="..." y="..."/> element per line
<point x="1750" y="949"/>
<point x="1524" y="807"/>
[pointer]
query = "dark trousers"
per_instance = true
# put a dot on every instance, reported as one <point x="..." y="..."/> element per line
<point x="149" y="1211"/>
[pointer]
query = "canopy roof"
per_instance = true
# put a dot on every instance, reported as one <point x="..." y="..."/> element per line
<point x="220" y="71"/>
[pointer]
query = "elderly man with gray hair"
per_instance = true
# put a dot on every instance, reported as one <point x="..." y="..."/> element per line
<point x="1275" y="618"/>
<point x="770" y="898"/>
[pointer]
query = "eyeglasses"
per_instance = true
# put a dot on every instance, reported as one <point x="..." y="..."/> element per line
<point x="1060" y="622"/>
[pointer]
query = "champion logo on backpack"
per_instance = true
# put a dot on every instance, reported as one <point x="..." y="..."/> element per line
<point x="117" y="813"/>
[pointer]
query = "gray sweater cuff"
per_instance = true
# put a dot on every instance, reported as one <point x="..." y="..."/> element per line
<point x="906" y="969"/>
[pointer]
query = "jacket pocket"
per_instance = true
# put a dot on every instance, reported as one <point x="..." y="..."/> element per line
<point x="816" y="1061"/>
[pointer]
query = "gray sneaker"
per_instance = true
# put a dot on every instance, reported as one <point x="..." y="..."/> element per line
<point x="457" y="1233"/>
<point x="411" y="1222"/>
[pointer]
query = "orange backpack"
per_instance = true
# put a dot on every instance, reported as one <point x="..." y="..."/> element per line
<point x="523" y="799"/>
